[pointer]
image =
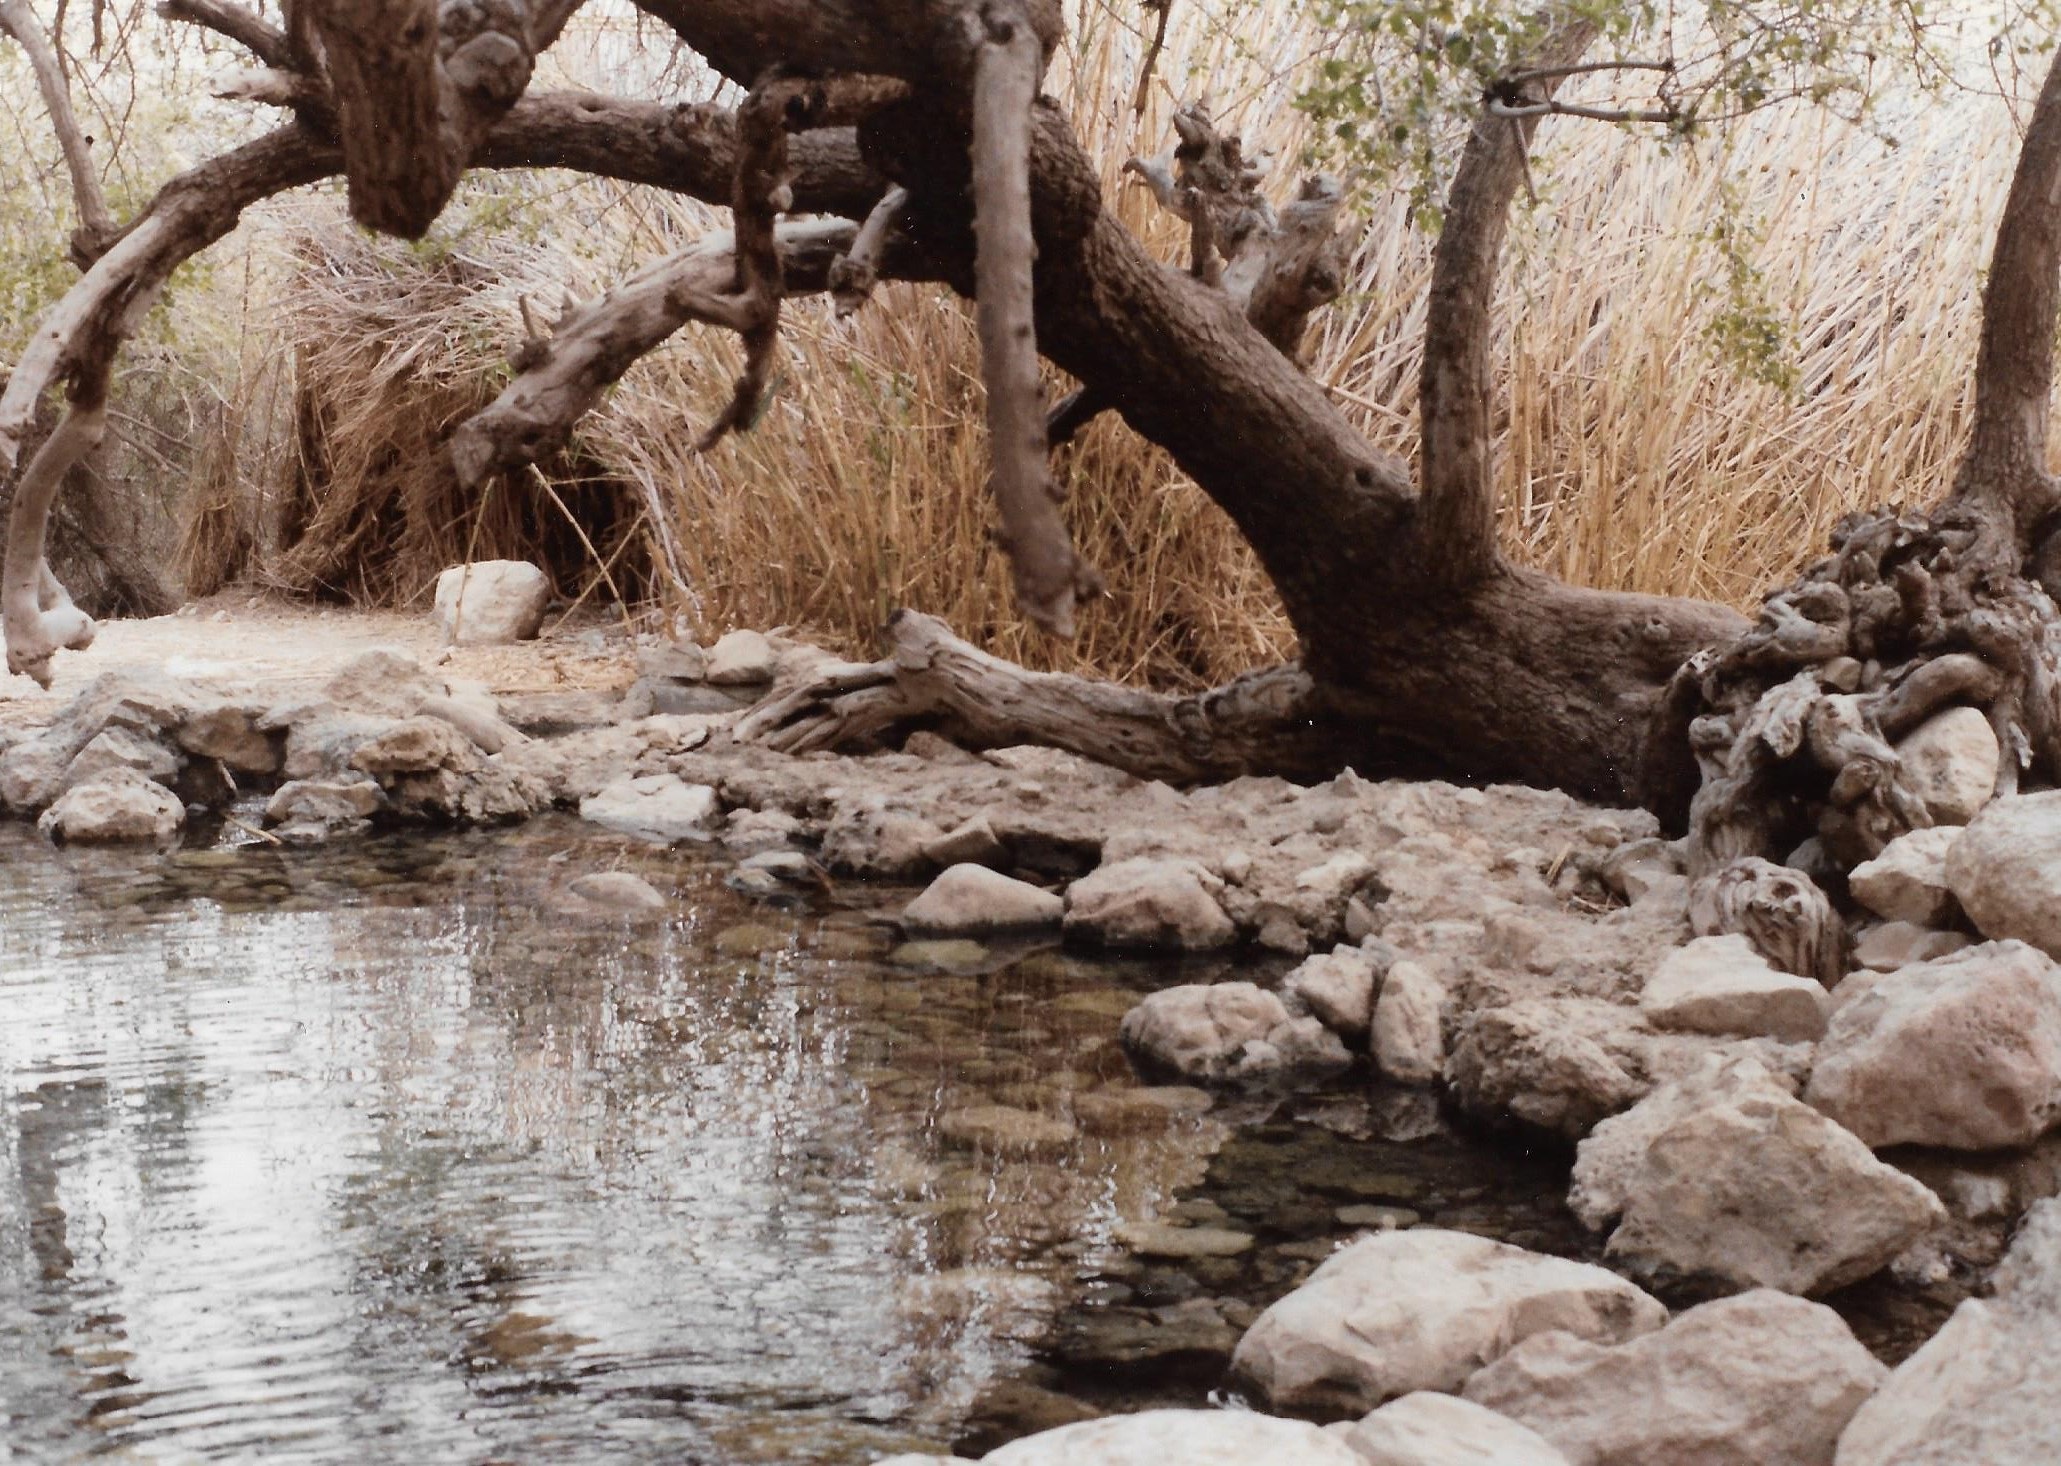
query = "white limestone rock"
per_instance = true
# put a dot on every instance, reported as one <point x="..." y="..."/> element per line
<point x="116" y="807"/>
<point x="1338" y="987"/>
<point x="2006" y="870"/>
<point x="491" y="602"/>
<point x="1228" y="1031"/>
<point x="1726" y="1177"/>
<point x="1889" y="945"/>
<point x="1187" y="1437"/>
<point x="1963" y="1051"/>
<point x="1431" y="1429"/>
<point x="1950" y="762"/>
<point x="123" y="748"/>
<point x="1409" y="1025"/>
<point x="741" y="658"/>
<point x="968" y="898"/>
<point x="1747" y="1381"/>
<point x="1397" y="1312"/>
<point x="1908" y="880"/>
<point x="1149" y="903"/>
<point x="1723" y="985"/>
<point x="663" y="808"/>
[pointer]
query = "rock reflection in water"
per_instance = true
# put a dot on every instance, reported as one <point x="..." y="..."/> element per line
<point x="387" y="1149"/>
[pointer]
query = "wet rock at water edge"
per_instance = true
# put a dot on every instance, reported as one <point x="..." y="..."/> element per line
<point x="1423" y="1310"/>
<point x="491" y="602"/>
<point x="307" y="811"/>
<point x="1432" y="1429"/>
<point x="1722" y="985"/>
<point x="1987" y="1387"/>
<point x="1228" y="1032"/>
<point x="1149" y="903"/>
<point x="123" y="748"/>
<point x="663" y="808"/>
<point x="2006" y="870"/>
<point x="1725" y="1178"/>
<point x="1339" y="987"/>
<point x="1189" y="1437"/>
<point x="1746" y="1381"/>
<point x="116" y="807"/>
<point x="1963" y="1051"/>
<point x="1908" y="880"/>
<point x="968" y="899"/>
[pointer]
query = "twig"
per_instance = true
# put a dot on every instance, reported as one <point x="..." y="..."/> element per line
<point x="550" y="493"/>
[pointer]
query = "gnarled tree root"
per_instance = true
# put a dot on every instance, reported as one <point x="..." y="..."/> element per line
<point x="1274" y="721"/>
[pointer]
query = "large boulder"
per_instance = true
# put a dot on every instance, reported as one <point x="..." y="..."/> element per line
<point x="1747" y="1381"/>
<point x="1723" y="985"/>
<point x="1963" y="1051"/>
<point x="1987" y="1387"/>
<point x="660" y="807"/>
<point x="491" y="602"/>
<point x="1190" y="1437"/>
<point x="971" y="898"/>
<point x="1149" y="903"/>
<point x="1423" y="1310"/>
<point x="1908" y="880"/>
<point x="1228" y="1031"/>
<point x="2006" y="870"/>
<point x="1950" y="761"/>
<point x="116" y="807"/>
<point x="1725" y="1177"/>
<point x="1431" y="1429"/>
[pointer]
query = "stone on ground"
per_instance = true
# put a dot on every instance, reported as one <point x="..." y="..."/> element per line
<point x="1148" y="903"/>
<point x="1424" y="1309"/>
<point x="1893" y="944"/>
<point x="1908" y="880"/>
<point x="659" y="807"/>
<point x="1963" y="1051"/>
<point x="1409" y="1025"/>
<point x="1723" y="985"/>
<point x="1725" y="1177"/>
<point x="971" y="898"/>
<point x="1987" y="1387"/>
<point x="491" y="602"/>
<point x="1189" y="1437"/>
<point x="741" y="659"/>
<point x="123" y="748"/>
<point x="1338" y="987"/>
<point x="116" y="807"/>
<point x="1950" y="762"/>
<point x="1746" y="1381"/>
<point x="1227" y="1031"/>
<point x="1523" y="1059"/>
<point x="2006" y="870"/>
<point x="1430" y="1429"/>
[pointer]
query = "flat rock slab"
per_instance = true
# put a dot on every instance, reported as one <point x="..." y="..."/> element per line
<point x="659" y="807"/>
<point x="1746" y="1381"/>
<point x="1726" y="1177"/>
<point x="1722" y="985"/>
<point x="1963" y="1051"/>
<point x="1423" y="1310"/>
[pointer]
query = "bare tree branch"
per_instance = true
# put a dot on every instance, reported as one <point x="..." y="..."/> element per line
<point x="1049" y="574"/>
<point x="853" y="277"/>
<point x="245" y="27"/>
<point x="96" y="225"/>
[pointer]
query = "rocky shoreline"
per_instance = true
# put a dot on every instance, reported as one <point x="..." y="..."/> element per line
<point x="1536" y="962"/>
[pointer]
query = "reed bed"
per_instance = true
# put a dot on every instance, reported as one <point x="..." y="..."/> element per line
<point x="1632" y="452"/>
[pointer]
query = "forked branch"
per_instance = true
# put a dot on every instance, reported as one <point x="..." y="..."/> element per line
<point x="96" y="225"/>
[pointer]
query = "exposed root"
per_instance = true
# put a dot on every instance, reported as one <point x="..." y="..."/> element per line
<point x="1271" y="721"/>
<point x="1796" y="722"/>
<point x="1781" y="911"/>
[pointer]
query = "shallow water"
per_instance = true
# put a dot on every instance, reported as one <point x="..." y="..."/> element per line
<point x="388" y="1150"/>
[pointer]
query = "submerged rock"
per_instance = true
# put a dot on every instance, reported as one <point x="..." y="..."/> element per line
<point x="1963" y="1051"/>
<point x="1746" y="1381"/>
<point x="2006" y="870"/>
<point x="1422" y="1310"/>
<point x="1148" y="903"/>
<point x="1431" y="1429"/>
<point x="1726" y="1177"/>
<point x="491" y="602"/>
<point x="618" y="890"/>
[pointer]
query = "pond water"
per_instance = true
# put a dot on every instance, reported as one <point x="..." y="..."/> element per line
<point x="392" y="1150"/>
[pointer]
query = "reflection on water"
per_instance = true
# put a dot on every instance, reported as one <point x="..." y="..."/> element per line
<point x="386" y="1149"/>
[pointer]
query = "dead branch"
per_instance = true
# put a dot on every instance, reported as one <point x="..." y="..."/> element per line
<point x="246" y="28"/>
<point x="96" y="225"/>
<point x="854" y="275"/>
<point x="1050" y="576"/>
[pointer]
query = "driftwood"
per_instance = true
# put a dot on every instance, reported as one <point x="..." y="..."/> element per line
<point x="1782" y="911"/>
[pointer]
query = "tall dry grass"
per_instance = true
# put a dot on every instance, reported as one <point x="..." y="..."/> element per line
<point x="1631" y="453"/>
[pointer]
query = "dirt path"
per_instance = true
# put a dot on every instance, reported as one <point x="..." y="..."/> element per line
<point x="280" y="645"/>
